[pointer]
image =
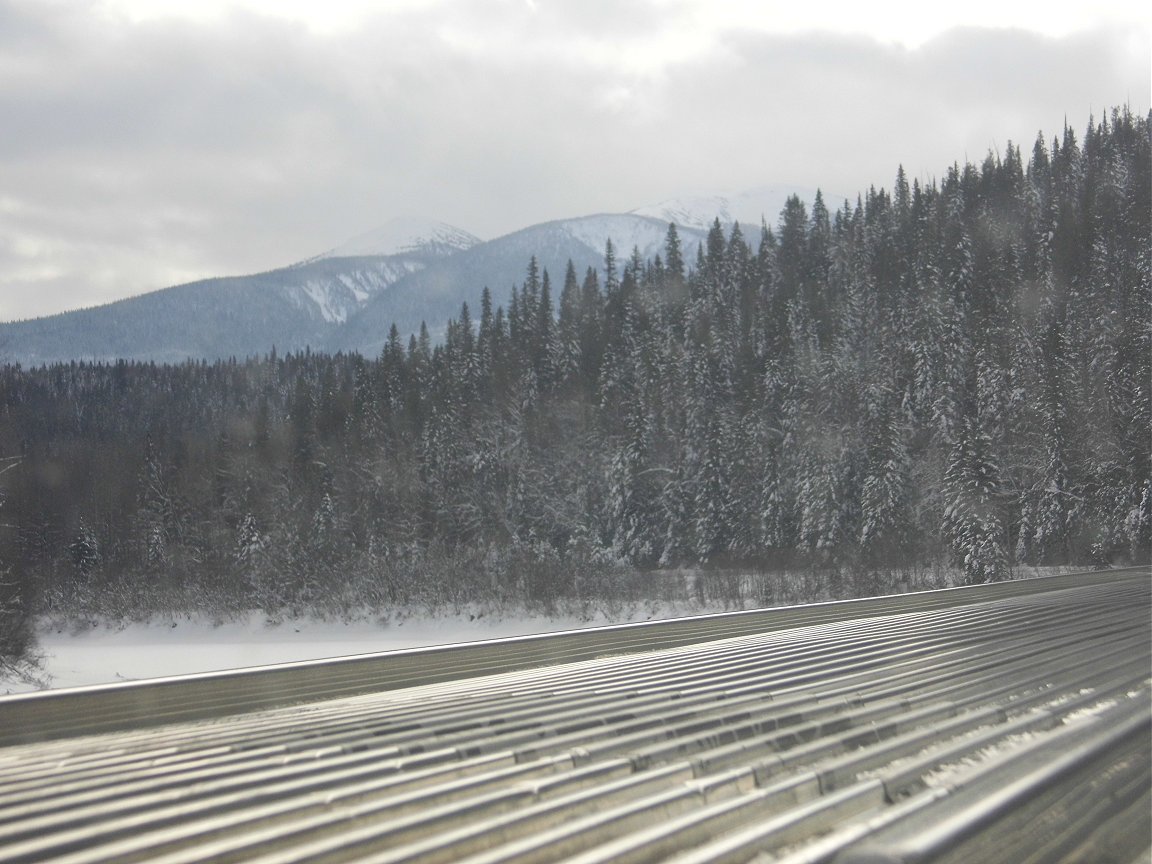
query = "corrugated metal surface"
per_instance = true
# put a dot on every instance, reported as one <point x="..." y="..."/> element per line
<point x="983" y="725"/>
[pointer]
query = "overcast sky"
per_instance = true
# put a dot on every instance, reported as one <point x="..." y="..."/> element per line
<point x="150" y="142"/>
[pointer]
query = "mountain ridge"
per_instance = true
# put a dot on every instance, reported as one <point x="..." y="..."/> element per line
<point x="400" y="236"/>
<point x="406" y="272"/>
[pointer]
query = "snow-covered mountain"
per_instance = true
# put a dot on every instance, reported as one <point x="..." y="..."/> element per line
<point x="336" y="293"/>
<point x="749" y="208"/>
<point x="400" y="237"/>
<point x="291" y="308"/>
<point x="347" y="298"/>
<point x="435" y="293"/>
<point x="647" y="234"/>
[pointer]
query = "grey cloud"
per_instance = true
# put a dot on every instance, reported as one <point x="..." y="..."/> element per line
<point x="611" y="19"/>
<point x="843" y="113"/>
<point x="135" y="156"/>
<point x="161" y="87"/>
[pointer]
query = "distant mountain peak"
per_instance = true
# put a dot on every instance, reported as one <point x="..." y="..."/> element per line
<point x="697" y="211"/>
<point x="749" y="207"/>
<point x="401" y="236"/>
<point x="627" y="231"/>
<point x="346" y="299"/>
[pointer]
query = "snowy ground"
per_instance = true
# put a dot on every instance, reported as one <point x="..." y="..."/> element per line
<point x="101" y="653"/>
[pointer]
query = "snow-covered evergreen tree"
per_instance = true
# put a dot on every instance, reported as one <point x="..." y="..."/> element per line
<point x="972" y="518"/>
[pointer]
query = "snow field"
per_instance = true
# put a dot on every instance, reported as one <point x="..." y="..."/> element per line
<point x="103" y="652"/>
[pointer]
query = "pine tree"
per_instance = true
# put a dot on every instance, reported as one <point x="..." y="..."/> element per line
<point x="545" y="351"/>
<point x="155" y="515"/>
<point x="884" y="505"/>
<point x="85" y="549"/>
<point x="792" y="246"/>
<point x="485" y="339"/>
<point x="567" y="356"/>
<point x="972" y="519"/>
<point x="673" y="255"/>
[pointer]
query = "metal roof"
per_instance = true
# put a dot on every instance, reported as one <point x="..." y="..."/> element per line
<point x="1007" y="722"/>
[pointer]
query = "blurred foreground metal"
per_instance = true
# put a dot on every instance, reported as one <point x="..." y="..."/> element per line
<point x="1008" y="722"/>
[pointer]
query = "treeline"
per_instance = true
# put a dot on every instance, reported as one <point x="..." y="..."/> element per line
<point x="953" y="373"/>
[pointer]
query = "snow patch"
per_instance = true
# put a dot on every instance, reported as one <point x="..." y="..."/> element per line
<point x="691" y="212"/>
<point x="358" y="291"/>
<point x="1090" y="711"/>
<point x="627" y="232"/>
<point x="953" y="773"/>
<point x="103" y="652"/>
<point x="336" y="298"/>
<point x="327" y="302"/>
<point x="749" y="208"/>
<point x="401" y="236"/>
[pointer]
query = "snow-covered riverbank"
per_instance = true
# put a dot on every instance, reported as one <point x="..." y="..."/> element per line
<point x="103" y="652"/>
<point x="97" y="651"/>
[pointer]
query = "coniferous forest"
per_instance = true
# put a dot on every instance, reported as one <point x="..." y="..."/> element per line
<point x="950" y="376"/>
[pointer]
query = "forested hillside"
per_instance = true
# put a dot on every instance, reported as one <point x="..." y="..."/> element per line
<point x="951" y="373"/>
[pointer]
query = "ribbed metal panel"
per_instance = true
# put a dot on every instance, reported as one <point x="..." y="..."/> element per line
<point x="814" y="734"/>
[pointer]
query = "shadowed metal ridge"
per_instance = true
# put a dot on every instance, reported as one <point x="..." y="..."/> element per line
<point x="1008" y="722"/>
